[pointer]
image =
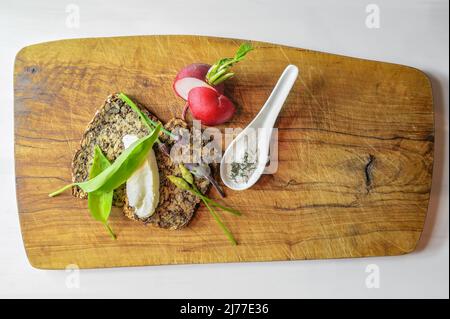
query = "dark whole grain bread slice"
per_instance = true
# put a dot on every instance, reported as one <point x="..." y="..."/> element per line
<point x="111" y="122"/>
<point x="176" y="207"/>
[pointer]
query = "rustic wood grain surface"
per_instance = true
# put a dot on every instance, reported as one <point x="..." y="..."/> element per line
<point x="356" y="144"/>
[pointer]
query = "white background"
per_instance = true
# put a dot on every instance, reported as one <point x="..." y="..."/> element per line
<point x="412" y="32"/>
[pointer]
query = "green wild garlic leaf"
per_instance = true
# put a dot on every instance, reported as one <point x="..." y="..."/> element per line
<point x="100" y="203"/>
<point x="123" y="167"/>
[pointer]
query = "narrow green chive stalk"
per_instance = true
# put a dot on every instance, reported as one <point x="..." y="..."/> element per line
<point x="147" y="121"/>
<point x="110" y="231"/>
<point x="214" y="203"/>
<point x="61" y="190"/>
<point x="221" y="224"/>
<point x="219" y="72"/>
<point x="187" y="183"/>
<point x="189" y="178"/>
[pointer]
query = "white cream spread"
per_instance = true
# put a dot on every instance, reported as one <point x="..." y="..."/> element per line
<point x="143" y="185"/>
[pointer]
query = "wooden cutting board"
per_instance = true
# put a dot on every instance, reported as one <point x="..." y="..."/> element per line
<point x="356" y="144"/>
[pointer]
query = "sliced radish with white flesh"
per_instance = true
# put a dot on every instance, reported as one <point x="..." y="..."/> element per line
<point x="185" y="85"/>
<point x="192" y="76"/>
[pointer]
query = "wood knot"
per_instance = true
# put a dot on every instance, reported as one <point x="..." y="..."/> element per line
<point x="145" y="83"/>
<point x="32" y="69"/>
<point x="368" y="171"/>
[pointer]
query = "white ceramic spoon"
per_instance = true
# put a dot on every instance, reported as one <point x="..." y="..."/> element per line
<point x="262" y="124"/>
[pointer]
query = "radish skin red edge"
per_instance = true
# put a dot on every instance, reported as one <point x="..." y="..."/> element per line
<point x="201" y="86"/>
<point x="209" y="106"/>
<point x="218" y="108"/>
<point x="193" y="75"/>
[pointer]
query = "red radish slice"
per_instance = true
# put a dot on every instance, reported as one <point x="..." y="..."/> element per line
<point x="193" y="76"/>
<point x="185" y="109"/>
<point x="209" y="106"/>
<point x="184" y="85"/>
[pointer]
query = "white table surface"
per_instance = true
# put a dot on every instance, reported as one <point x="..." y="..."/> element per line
<point x="411" y="32"/>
